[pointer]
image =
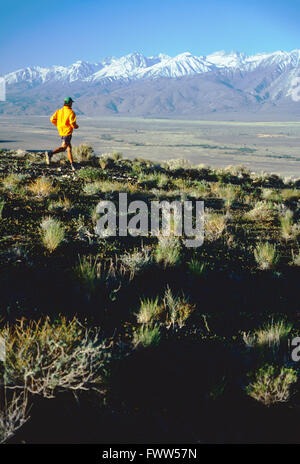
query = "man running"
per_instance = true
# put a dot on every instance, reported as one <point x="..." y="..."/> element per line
<point x="65" y="121"/>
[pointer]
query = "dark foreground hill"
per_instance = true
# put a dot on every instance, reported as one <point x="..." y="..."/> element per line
<point x="141" y="339"/>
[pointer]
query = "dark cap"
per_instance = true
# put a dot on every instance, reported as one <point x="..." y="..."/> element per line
<point x="68" y="100"/>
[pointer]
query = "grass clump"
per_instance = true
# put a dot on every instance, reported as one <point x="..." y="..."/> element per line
<point x="154" y="180"/>
<point x="214" y="224"/>
<point x="288" y="229"/>
<point x="168" y="251"/>
<point x="115" y="186"/>
<point x="172" y="312"/>
<point x="92" y="188"/>
<point x="200" y="189"/>
<point x="107" y="186"/>
<point x="146" y="336"/>
<point x="230" y="193"/>
<point x="53" y="233"/>
<point x="12" y="181"/>
<point x="272" y="384"/>
<point x="62" y="204"/>
<point x="266" y="256"/>
<point x="270" y="335"/>
<point x="89" y="273"/>
<point x="196" y="268"/>
<point x="42" y="187"/>
<point x="149" y="308"/>
<point x="176" y="309"/>
<point x="89" y="174"/>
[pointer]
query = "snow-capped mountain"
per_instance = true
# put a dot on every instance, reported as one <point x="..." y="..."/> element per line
<point x="38" y="75"/>
<point x="126" y="67"/>
<point x="115" y="85"/>
<point x="137" y="66"/>
<point x="221" y="59"/>
<point x="182" y="65"/>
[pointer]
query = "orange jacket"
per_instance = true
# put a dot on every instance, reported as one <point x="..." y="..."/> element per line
<point x="65" y="120"/>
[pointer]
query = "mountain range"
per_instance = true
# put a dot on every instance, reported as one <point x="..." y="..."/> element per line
<point x="227" y="85"/>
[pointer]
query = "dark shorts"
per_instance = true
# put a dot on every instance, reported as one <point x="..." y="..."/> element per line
<point x="66" y="139"/>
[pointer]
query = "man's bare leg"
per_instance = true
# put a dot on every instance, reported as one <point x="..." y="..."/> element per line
<point x="69" y="151"/>
<point x="64" y="147"/>
<point x="59" y="149"/>
<point x="51" y="153"/>
<point x="70" y="157"/>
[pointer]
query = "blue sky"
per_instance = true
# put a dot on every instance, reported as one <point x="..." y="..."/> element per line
<point x="62" y="32"/>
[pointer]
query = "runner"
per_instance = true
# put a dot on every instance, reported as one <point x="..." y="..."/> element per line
<point x="65" y="121"/>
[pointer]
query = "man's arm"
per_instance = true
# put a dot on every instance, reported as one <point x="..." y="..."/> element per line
<point x="72" y="120"/>
<point x="53" y="118"/>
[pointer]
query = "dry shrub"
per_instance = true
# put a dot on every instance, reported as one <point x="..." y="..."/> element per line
<point x="237" y="170"/>
<point x="269" y="194"/>
<point x="46" y="356"/>
<point x="20" y="153"/>
<point x="13" y="412"/>
<point x="136" y="260"/>
<point x="178" y="163"/>
<point x="262" y="211"/>
<point x="82" y="153"/>
<point x="272" y="384"/>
